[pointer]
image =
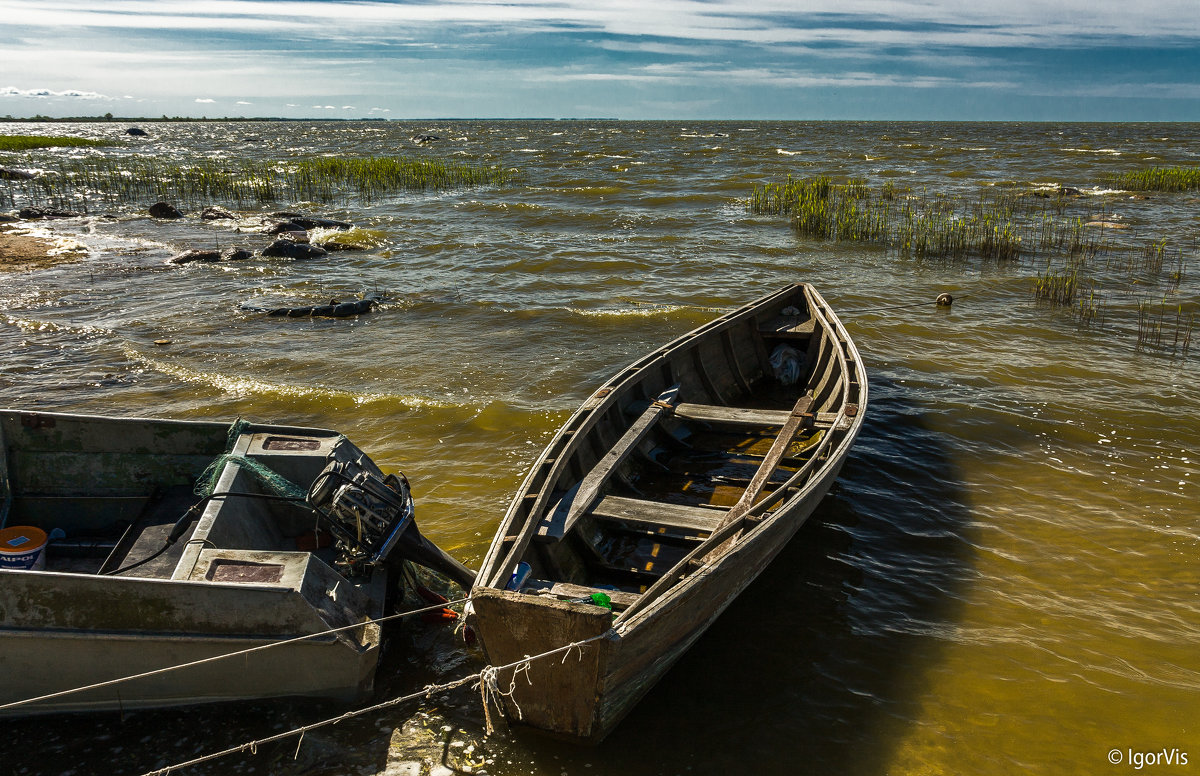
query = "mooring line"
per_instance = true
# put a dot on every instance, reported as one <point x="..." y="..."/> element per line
<point x="484" y="675"/>
<point x="215" y="658"/>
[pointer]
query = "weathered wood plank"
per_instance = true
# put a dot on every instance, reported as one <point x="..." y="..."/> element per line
<point x="658" y="513"/>
<point x="741" y="416"/>
<point x="799" y="418"/>
<point x="620" y="599"/>
<point x="576" y="502"/>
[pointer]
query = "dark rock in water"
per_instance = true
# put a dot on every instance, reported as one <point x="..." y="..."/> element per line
<point x="8" y="218"/>
<point x="136" y="132"/>
<point x="338" y="245"/>
<point x="31" y="213"/>
<point x="334" y="309"/>
<point x="187" y="257"/>
<point x="164" y="210"/>
<point x="213" y="213"/>
<point x="422" y="139"/>
<point x="9" y="174"/>
<point x="280" y="227"/>
<point x="320" y="223"/>
<point x="236" y="254"/>
<point x="298" y="222"/>
<point x="288" y="249"/>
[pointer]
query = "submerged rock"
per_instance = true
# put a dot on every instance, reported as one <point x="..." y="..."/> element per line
<point x="136" y="132"/>
<point x="10" y="174"/>
<point x="236" y="254"/>
<point x="187" y="257"/>
<point x="33" y="213"/>
<point x="164" y="210"/>
<point x="334" y="309"/>
<point x="214" y="213"/>
<point x="285" y="227"/>
<point x="290" y="249"/>
<point x="297" y="221"/>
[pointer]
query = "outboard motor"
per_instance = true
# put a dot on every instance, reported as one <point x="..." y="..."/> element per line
<point x="371" y="516"/>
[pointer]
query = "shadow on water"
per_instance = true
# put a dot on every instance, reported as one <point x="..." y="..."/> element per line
<point x="819" y="667"/>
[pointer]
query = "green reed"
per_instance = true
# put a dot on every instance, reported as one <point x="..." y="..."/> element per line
<point x="30" y="142"/>
<point x="920" y="226"/>
<point x="78" y="184"/>
<point x="1163" y="329"/>
<point x="1159" y="179"/>
<point x="1058" y="288"/>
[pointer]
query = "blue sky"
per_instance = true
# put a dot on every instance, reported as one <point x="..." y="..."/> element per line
<point x="676" y="59"/>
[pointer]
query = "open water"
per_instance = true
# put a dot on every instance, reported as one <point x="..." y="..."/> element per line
<point x="1006" y="580"/>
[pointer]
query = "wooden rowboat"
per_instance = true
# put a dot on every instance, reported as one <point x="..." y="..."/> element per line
<point x="664" y="496"/>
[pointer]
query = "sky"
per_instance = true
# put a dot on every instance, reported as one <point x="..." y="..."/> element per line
<point x="1023" y="60"/>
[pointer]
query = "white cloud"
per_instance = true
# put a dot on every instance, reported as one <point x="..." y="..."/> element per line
<point x="12" y="91"/>
<point x="998" y="23"/>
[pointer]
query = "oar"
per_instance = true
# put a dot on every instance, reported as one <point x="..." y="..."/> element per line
<point x="799" y="418"/>
<point x="580" y="499"/>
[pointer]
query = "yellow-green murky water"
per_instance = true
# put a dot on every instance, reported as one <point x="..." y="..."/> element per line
<point x="1006" y="580"/>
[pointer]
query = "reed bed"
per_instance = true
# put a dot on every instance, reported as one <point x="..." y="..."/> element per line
<point x="1057" y="287"/>
<point x="30" y="142"/>
<point x="85" y="184"/>
<point x="914" y="225"/>
<point x="1159" y="179"/>
<point x="1161" y="328"/>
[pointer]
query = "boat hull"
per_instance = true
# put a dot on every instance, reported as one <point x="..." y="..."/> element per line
<point x="236" y="580"/>
<point x="585" y="695"/>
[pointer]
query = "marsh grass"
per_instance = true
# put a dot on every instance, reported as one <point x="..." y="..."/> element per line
<point x="1057" y="287"/>
<point x="30" y="142"/>
<point x="1158" y="179"/>
<point x="918" y="225"/>
<point x="1161" y="328"/>
<point x="85" y="184"/>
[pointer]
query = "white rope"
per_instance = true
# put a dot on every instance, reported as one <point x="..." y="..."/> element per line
<point x="519" y="666"/>
<point x="490" y="692"/>
<point x="223" y="656"/>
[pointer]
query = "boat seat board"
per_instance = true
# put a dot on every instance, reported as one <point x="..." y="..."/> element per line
<point x="742" y="416"/>
<point x="658" y="513"/>
<point x="788" y="326"/>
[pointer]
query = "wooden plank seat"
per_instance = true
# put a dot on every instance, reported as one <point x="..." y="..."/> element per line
<point x="656" y="514"/>
<point x="740" y="416"/>
<point x="788" y="327"/>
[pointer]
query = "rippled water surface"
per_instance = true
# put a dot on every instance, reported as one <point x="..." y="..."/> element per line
<point x="1005" y="580"/>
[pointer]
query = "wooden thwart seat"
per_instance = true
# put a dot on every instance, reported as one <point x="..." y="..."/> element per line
<point x="740" y="416"/>
<point x="658" y="513"/>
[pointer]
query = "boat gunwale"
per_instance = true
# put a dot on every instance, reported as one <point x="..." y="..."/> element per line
<point x="579" y="423"/>
<point x="591" y="410"/>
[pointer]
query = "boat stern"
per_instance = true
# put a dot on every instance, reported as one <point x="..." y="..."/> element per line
<point x="557" y="694"/>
